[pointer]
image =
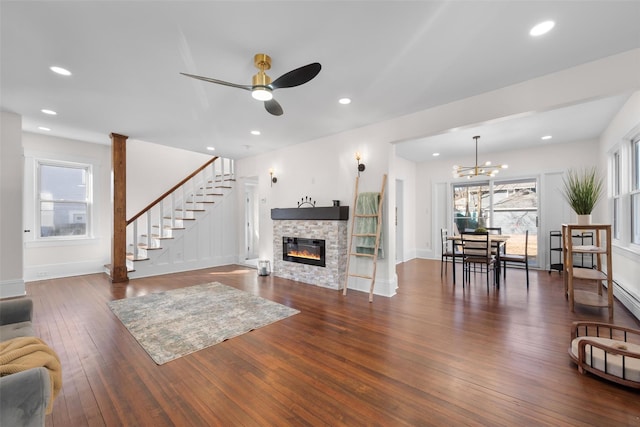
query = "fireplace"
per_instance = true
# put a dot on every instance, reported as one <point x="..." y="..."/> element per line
<point x="303" y="251"/>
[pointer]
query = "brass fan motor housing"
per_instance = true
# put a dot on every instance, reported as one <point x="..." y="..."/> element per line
<point x="262" y="62"/>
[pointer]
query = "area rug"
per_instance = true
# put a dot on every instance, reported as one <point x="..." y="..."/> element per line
<point x="174" y="323"/>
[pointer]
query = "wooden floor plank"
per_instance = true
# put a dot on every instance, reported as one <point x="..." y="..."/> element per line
<point x="434" y="354"/>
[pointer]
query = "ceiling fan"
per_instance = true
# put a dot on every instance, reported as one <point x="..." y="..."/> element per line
<point x="262" y="86"/>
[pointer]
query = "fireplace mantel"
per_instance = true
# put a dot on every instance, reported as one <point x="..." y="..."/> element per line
<point x="331" y="213"/>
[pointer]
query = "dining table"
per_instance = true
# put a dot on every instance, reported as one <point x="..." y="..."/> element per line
<point x="498" y="242"/>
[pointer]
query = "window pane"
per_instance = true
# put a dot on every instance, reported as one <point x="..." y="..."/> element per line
<point x="616" y="173"/>
<point x="471" y="206"/>
<point x="63" y="219"/>
<point x="636" y="166"/>
<point x="63" y="183"/>
<point x="616" y="219"/>
<point x="635" y="218"/>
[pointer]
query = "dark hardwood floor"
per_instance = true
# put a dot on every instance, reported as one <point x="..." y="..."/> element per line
<point x="434" y="354"/>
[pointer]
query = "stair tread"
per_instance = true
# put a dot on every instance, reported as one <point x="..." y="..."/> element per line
<point x="131" y="258"/>
<point x="168" y="227"/>
<point x="148" y="248"/>
<point x="180" y="218"/>
<point x="155" y="236"/>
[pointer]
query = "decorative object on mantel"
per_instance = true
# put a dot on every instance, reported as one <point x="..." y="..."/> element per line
<point x="361" y="166"/>
<point x="582" y="190"/>
<point x="273" y="178"/>
<point x="307" y="201"/>
<point x="476" y="170"/>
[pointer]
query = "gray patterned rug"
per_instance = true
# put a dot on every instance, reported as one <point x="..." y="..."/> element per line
<point x="172" y="324"/>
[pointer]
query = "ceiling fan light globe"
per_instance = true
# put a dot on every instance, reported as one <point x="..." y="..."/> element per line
<point x="262" y="94"/>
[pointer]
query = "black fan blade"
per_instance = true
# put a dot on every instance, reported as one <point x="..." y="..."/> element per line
<point x="220" y="82"/>
<point x="273" y="107"/>
<point x="297" y="77"/>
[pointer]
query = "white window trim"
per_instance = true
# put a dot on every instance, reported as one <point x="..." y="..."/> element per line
<point x="32" y="201"/>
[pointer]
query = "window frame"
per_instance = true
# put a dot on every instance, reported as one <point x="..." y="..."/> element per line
<point x="616" y="193"/>
<point x="38" y="200"/>
<point x="634" y="191"/>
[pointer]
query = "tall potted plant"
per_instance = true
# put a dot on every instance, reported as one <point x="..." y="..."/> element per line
<point x="582" y="190"/>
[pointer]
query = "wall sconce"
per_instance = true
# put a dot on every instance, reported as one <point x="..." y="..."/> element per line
<point x="273" y="178"/>
<point x="361" y="166"/>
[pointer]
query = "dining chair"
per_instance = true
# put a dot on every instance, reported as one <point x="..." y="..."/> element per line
<point x="448" y="248"/>
<point x="497" y="230"/>
<point x="476" y="250"/>
<point x="517" y="258"/>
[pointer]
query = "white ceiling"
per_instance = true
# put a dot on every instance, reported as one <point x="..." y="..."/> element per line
<point x="391" y="57"/>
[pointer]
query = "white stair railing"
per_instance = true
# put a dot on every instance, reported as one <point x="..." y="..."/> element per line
<point x="187" y="196"/>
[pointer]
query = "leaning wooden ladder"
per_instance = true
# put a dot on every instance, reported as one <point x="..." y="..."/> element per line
<point x="353" y="252"/>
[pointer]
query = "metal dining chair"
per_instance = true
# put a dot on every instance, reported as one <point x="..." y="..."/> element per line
<point x="517" y="258"/>
<point x="448" y="248"/>
<point x="476" y="250"/>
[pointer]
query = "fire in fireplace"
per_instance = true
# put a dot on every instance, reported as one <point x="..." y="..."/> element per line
<point x="304" y="251"/>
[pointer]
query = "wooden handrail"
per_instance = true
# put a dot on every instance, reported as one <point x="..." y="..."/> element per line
<point x="171" y="190"/>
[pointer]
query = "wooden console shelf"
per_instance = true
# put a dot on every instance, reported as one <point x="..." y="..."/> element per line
<point x="601" y="249"/>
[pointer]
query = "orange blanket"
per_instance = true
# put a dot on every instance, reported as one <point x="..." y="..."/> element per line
<point x="22" y="353"/>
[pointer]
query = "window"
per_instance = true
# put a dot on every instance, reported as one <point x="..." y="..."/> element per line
<point x="511" y="205"/>
<point x="615" y="192"/>
<point x="635" y="191"/>
<point x="64" y="197"/>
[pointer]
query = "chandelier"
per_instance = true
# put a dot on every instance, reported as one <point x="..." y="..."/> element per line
<point x="470" y="171"/>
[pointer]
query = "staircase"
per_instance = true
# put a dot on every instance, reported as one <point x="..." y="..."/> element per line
<point x="191" y="226"/>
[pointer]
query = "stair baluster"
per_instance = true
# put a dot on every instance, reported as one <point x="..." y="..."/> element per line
<point x="135" y="239"/>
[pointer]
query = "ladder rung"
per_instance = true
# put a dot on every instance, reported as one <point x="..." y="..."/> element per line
<point x="365" y="235"/>
<point x="360" y="275"/>
<point x="365" y="215"/>
<point x="359" y="254"/>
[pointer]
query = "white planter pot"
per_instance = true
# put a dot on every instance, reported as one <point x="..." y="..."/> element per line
<point x="584" y="219"/>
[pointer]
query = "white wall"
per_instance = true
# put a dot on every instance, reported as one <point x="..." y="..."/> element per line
<point x="325" y="170"/>
<point x="45" y="259"/>
<point x="152" y="169"/>
<point x="537" y="163"/>
<point x="405" y="171"/>
<point x="626" y="257"/>
<point x="11" y="227"/>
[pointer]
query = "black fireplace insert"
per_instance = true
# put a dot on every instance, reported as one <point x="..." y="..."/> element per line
<point x="304" y="251"/>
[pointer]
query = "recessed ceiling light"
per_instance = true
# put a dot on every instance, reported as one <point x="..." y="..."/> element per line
<point x="211" y="149"/>
<point x="49" y="112"/>
<point x="344" y="101"/>
<point x="44" y="128"/>
<point x="546" y="137"/>
<point x="435" y="154"/>
<point x="255" y="132"/>
<point x="542" y="28"/>
<point x="60" y="70"/>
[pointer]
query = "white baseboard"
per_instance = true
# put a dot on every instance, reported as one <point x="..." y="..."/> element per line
<point x="68" y="269"/>
<point x="384" y="288"/>
<point x="179" y="267"/>
<point x="628" y="300"/>
<point x="12" y="288"/>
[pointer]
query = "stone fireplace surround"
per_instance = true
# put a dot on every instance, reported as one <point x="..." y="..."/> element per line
<point x="328" y="223"/>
